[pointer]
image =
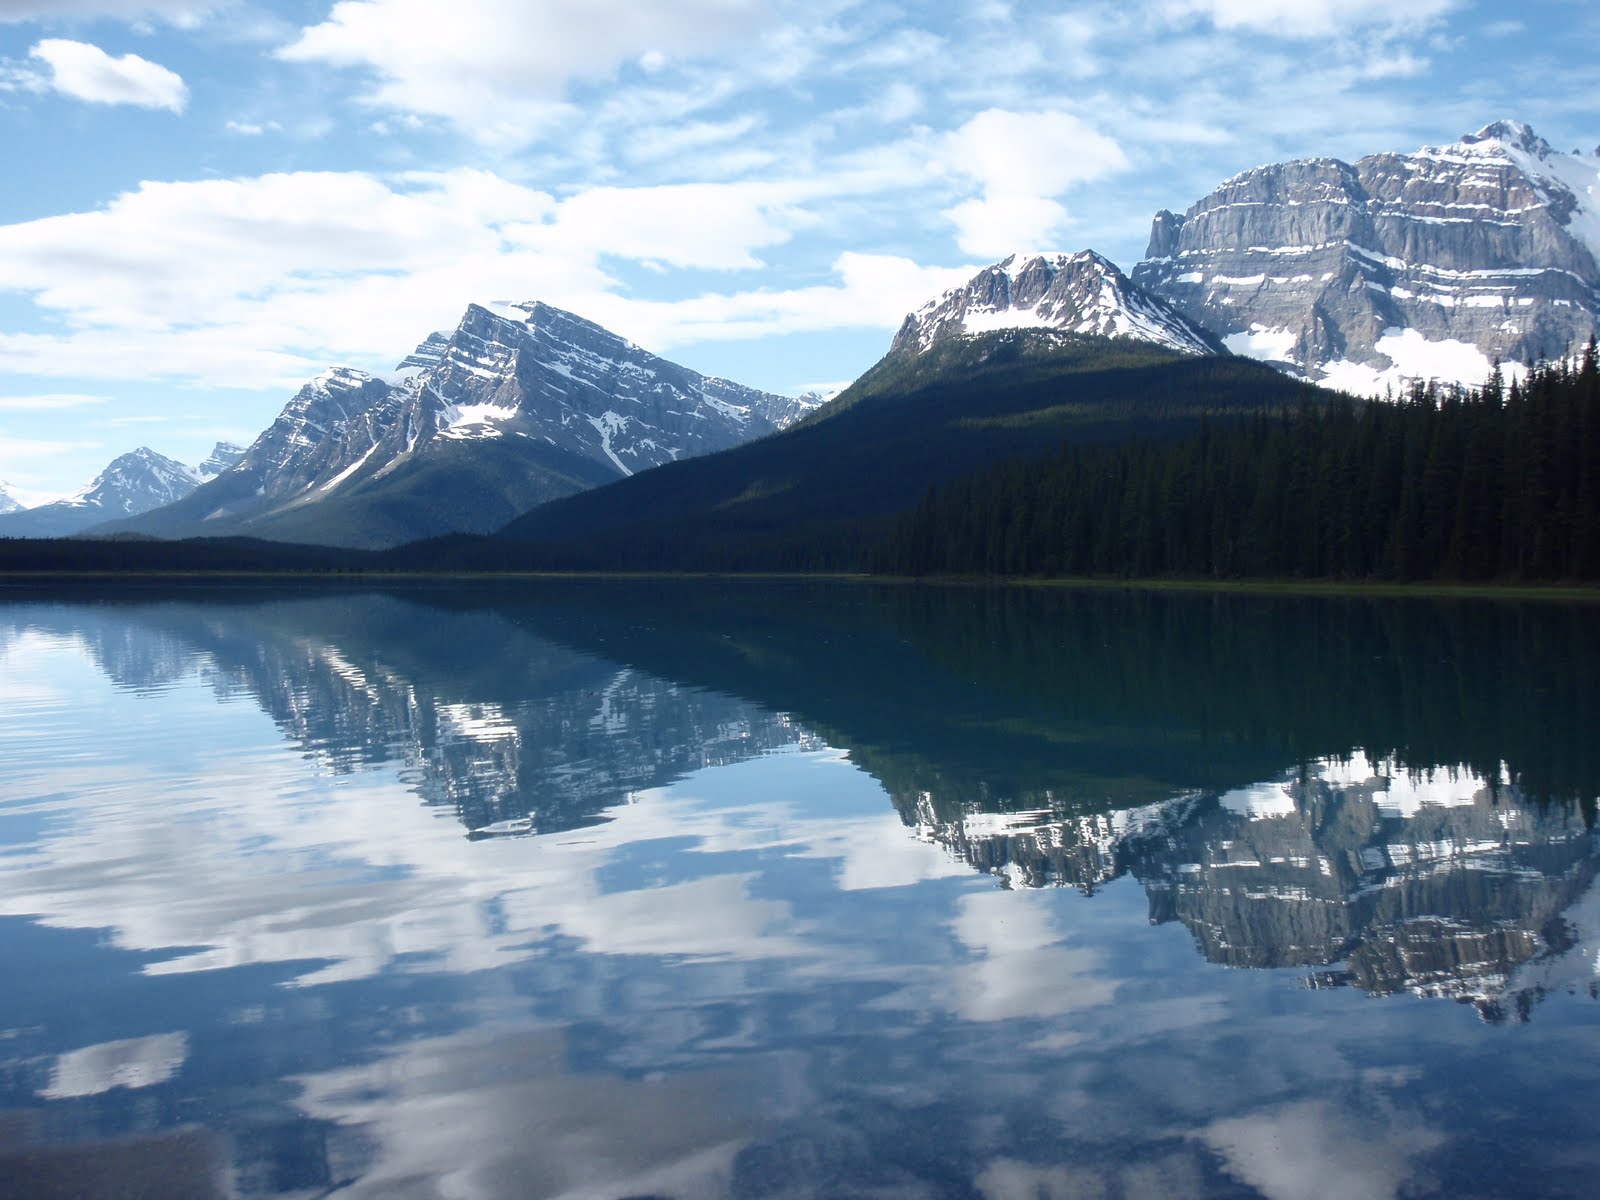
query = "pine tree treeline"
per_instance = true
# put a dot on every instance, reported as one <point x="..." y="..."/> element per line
<point x="1497" y="483"/>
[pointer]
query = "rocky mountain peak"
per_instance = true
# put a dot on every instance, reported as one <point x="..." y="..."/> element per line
<point x="1516" y="134"/>
<point x="1083" y="293"/>
<point x="136" y="482"/>
<point x="8" y="502"/>
<point x="1398" y="267"/>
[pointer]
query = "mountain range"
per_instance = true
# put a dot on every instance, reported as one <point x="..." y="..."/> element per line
<point x="1030" y="353"/>
<point x="520" y="404"/>
<point x="1357" y="276"/>
<point x="131" y="483"/>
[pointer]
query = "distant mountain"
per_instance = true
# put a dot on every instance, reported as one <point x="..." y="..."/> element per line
<point x="1399" y="266"/>
<point x="1013" y="363"/>
<point x="8" y="503"/>
<point x="520" y="404"/>
<point x="132" y="483"/>
<point x="1079" y="293"/>
<point x="223" y="455"/>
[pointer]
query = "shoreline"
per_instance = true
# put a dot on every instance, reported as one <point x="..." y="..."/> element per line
<point x="1373" y="589"/>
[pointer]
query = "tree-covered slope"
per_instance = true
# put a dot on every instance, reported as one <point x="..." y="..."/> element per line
<point x="815" y="495"/>
<point x="1498" y="484"/>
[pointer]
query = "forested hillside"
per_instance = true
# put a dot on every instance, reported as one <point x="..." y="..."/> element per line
<point x="823" y="495"/>
<point x="1500" y="483"/>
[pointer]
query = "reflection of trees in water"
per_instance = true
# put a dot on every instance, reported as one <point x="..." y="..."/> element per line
<point x="1474" y="683"/>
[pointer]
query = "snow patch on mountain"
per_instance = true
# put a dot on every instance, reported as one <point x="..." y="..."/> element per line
<point x="1268" y="345"/>
<point x="608" y="425"/>
<point x="1415" y="358"/>
<point x="476" y="420"/>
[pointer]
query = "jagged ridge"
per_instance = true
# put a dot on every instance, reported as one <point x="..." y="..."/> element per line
<point x="1082" y="293"/>
<point x="132" y="483"/>
<point x="521" y="403"/>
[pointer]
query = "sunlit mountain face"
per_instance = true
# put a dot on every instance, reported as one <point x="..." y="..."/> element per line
<point x="772" y="889"/>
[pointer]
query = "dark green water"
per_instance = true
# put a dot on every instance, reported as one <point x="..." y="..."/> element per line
<point x="687" y="890"/>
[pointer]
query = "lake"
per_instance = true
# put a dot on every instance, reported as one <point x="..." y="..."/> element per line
<point x="771" y="889"/>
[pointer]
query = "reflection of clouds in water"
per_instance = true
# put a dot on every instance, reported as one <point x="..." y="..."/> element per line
<point x="1018" y="968"/>
<point x="134" y="1063"/>
<point x="1174" y="1176"/>
<point x="490" y="1116"/>
<point x="242" y="856"/>
<point x="245" y="855"/>
<point x="1303" y="1150"/>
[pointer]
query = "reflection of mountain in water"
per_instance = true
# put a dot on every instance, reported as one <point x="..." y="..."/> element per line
<point x="490" y="722"/>
<point x="1439" y="882"/>
<point x="1069" y="739"/>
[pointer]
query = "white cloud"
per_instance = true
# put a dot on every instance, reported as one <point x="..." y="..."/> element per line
<point x="251" y="283"/>
<point x="652" y="144"/>
<point x="12" y="448"/>
<point x="1001" y="224"/>
<point x="87" y="72"/>
<point x="179" y="12"/>
<point x="1312" y="18"/>
<point x="50" y="402"/>
<point x="871" y="291"/>
<point x="714" y="226"/>
<point x="1032" y="153"/>
<point x="500" y="68"/>
<point x="253" y="128"/>
<point x="1021" y="161"/>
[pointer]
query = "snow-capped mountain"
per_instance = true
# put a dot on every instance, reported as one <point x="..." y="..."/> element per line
<point x="1396" y="267"/>
<point x="519" y="404"/>
<point x="8" y="502"/>
<point x="539" y="372"/>
<point x="1079" y="293"/>
<point x="131" y="484"/>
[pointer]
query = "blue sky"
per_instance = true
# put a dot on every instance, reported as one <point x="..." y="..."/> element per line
<point x="207" y="203"/>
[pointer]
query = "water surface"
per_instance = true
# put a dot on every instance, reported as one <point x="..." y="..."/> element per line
<point x="777" y="890"/>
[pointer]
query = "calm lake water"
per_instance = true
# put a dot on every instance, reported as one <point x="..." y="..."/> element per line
<point x="774" y="890"/>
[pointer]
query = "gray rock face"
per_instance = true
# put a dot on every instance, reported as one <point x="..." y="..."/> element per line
<point x="1396" y="267"/>
<point x="517" y="406"/>
<point x="132" y="483"/>
<point x="1079" y="293"/>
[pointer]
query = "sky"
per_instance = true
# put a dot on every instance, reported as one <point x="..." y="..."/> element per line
<point x="207" y="203"/>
